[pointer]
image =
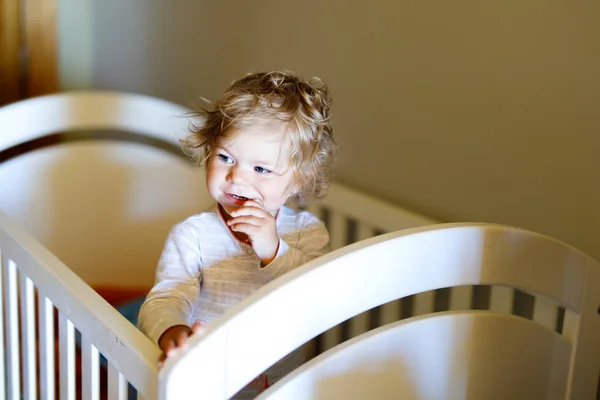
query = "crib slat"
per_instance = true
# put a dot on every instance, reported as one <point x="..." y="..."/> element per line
<point x="460" y="298"/>
<point x="12" y="331"/>
<point x="46" y="318"/>
<point x="67" y="357"/>
<point x="316" y="210"/>
<point x="390" y="312"/>
<point x="337" y="234"/>
<point x="117" y="385"/>
<point x="424" y="303"/>
<point x="364" y="231"/>
<point x="501" y="299"/>
<point x="570" y="325"/>
<point x="337" y="230"/>
<point x="28" y="338"/>
<point x="90" y="370"/>
<point x="545" y="312"/>
<point x="360" y="323"/>
<point x="2" y="345"/>
<point x="331" y="338"/>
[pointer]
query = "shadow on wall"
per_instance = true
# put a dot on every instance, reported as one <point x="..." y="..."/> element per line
<point x="104" y="208"/>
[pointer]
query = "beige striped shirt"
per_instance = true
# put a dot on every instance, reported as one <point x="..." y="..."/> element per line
<point x="204" y="270"/>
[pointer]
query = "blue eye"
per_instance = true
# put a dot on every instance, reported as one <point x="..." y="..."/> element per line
<point x="225" y="158"/>
<point x="262" y="170"/>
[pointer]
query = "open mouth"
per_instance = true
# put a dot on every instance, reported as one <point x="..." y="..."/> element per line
<point x="235" y="196"/>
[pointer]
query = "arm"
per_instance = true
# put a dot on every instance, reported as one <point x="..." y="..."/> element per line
<point x="313" y="242"/>
<point x="175" y="293"/>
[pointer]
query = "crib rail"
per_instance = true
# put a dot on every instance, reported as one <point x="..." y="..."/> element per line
<point x="42" y="297"/>
<point x="232" y="351"/>
<point x="351" y="216"/>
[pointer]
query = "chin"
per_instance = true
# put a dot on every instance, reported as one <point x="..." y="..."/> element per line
<point x="229" y="208"/>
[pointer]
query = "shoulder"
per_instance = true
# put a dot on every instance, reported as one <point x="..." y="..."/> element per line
<point x="196" y="223"/>
<point x="299" y="219"/>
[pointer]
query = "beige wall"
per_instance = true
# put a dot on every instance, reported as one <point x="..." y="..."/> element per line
<point x="462" y="110"/>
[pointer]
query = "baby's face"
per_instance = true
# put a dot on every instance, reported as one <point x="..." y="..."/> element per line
<point x="251" y="163"/>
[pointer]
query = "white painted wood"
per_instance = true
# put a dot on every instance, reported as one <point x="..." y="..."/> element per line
<point x="583" y="382"/>
<point x="12" y="328"/>
<point x="46" y="343"/>
<point x="360" y="323"/>
<point x="400" y="264"/>
<point x="461" y="297"/>
<point x="501" y="299"/>
<point x="91" y="109"/>
<point x="423" y="303"/>
<point x="115" y="337"/>
<point x="137" y="187"/>
<point x="66" y="357"/>
<point x="545" y="312"/>
<point x="179" y="371"/>
<point x="364" y="208"/>
<point x="117" y="384"/>
<point x="28" y="332"/>
<point x="571" y="326"/>
<point x="337" y="234"/>
<point x="3" y="266"/>
<point x="90" y="363"/>
<point x="483" y="359"/>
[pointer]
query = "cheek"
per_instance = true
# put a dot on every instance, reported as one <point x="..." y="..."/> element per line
<point x="279" y="191"/>
<point x="213" y="174"/>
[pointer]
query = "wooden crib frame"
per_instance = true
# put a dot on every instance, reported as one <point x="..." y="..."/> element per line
<point x="357" y="222"/>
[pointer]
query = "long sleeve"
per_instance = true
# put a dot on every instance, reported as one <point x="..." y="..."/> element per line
<point x="312" y="242"/>
<point x="175" y="293"/>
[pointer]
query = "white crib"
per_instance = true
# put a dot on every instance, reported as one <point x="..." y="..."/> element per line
<point x="402" y="308"/>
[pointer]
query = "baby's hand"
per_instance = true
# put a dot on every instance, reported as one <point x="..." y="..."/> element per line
<point x="174" y="337"/>
<point x="253" y="220"/>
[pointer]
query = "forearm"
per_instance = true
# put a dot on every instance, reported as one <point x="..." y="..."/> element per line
<point x="313" y="244"/>
<point x="175" y="293"/>
<point x="159" y="314"/>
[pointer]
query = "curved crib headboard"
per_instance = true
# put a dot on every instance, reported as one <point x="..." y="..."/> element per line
<point x="99" y="178"/>
<point x="39" y="116"/>
<point x="460" y="353"/>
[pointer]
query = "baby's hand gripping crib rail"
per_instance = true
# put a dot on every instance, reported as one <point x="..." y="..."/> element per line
<point x="454" y="354"/>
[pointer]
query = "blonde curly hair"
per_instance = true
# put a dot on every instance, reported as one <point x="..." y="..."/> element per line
<point x="282" y="96"/>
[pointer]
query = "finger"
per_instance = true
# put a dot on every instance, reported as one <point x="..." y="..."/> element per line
<point x="162" y="359"/>
<point x="256" y="203"/>
<point x="246" y="219"/>
<point x="182" y="338"/>
<point x="260" y="203"/>
<point x="248" y="229"/>
<point x="197" y="327"/>
<point x="251" y="209"/>
<point x="168" y="348"/>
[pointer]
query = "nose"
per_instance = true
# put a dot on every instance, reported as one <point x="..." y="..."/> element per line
<point x="237" y="176"/>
